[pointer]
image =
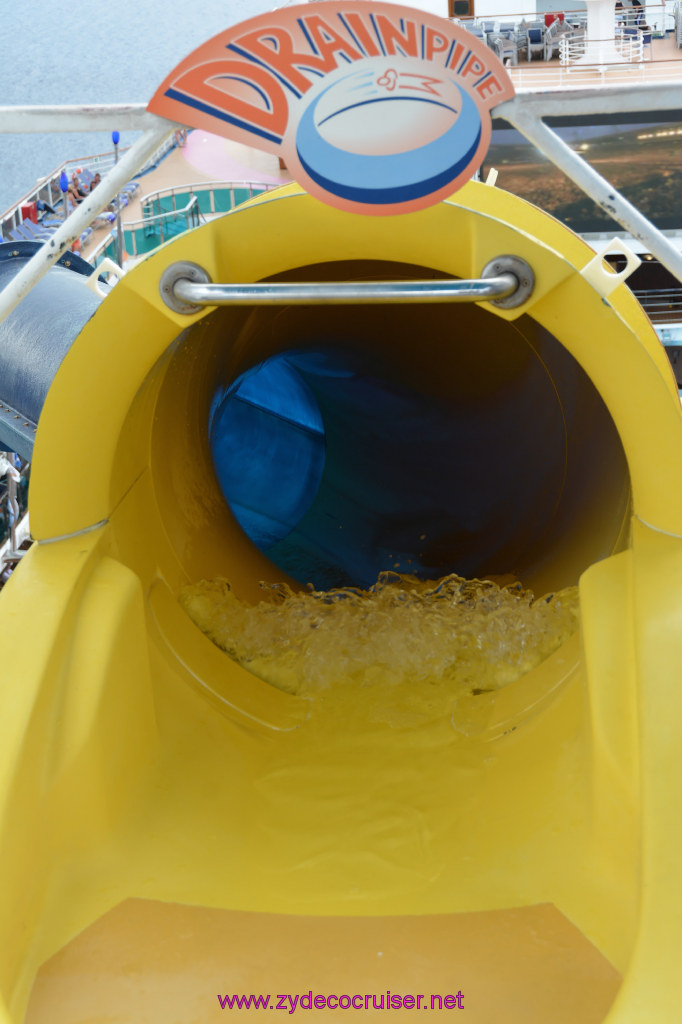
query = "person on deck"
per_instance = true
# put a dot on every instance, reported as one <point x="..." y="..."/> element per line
<point x="74" y="195"/>
<point x="76" y="185"/>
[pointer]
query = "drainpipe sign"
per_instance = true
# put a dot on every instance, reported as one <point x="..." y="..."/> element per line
<point x="374" y="108"/>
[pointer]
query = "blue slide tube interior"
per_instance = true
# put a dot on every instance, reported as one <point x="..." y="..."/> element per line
<point x="423" y="440"/>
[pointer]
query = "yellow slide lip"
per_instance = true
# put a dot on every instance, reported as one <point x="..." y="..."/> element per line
<point x="133" y="768"/>
<point x="238" y="694"/>
<point x="612" y="339"/>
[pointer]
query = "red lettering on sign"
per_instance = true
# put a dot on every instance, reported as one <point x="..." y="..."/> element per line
<point x="420" y="83"/>
<point x="328" y="42"/>
<point x="457" y="52"/>
<point x="396" y="40"/>
<point x="434" y="42"/>
<point x="488" y="87"/>
<point x="473" y="66"/>
<point x="357" y="26"/>
<point x="275" y="48"/>
<point x="271" y="114"/>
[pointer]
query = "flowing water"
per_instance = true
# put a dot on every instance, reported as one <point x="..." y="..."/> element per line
<point x="451" y="635"/>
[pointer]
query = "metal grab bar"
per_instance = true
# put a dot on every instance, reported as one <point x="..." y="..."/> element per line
<point x="323" y="294"/>
<point x="186" y="288"/>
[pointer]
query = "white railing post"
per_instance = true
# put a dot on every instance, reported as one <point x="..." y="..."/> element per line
<point x="525" y="119"/>
<point x="92" y="205"/>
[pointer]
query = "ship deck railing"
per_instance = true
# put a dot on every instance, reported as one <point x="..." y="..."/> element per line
<point x="568" y="75"/>
<point x="170" y="211"/>
<point x="214" y="197"/>
<point x="661" y="305"/>
<point x="47" y="189"/>
<point x="155" y="228"/>
<point x="660" y="18"/>
<point x="105" y="249"/>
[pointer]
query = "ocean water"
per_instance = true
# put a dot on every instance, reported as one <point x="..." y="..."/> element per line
<point x="103" y="51"/>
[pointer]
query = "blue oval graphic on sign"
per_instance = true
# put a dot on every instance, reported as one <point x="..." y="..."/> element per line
<point x="385" y="177"/>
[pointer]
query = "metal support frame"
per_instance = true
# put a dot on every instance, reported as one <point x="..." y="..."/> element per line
<point x="524" y="112"/>
<point x="96" y="201"/>
<point x="12" y="477"/>
<point x="119" y="225"/>
<point x="96" y="118"/>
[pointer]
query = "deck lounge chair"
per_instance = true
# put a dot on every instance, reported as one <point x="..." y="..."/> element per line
<point x="55" y="222"/>
<point x="37" y="231"/>
<point x="100" y="220"/>
<point x="557" y="31"/>
<point x="535" y="42"/>
<point x="505" y="47"/>
<point x="20" y="234"/>
<point x="27" y="231"/>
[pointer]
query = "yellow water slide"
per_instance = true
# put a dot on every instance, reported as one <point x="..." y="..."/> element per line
<point x="176" y="831"/>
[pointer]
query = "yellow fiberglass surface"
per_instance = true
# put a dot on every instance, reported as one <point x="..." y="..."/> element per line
<point x="175" y="829"/>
